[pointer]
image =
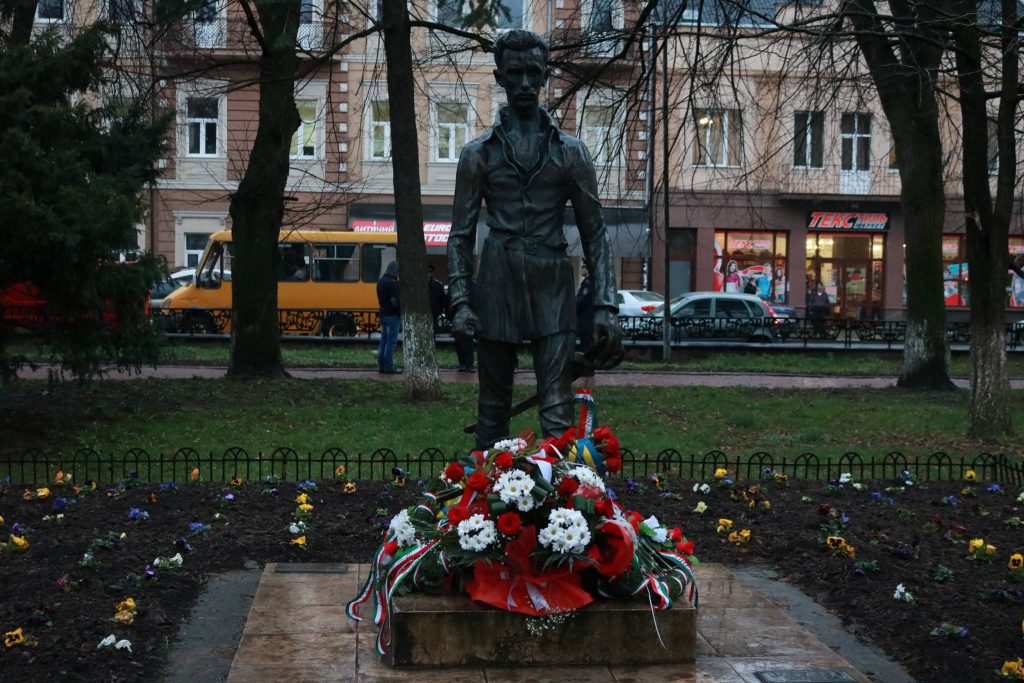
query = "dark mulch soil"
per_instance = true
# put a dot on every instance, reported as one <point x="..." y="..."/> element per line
<point x="909" y="540"/>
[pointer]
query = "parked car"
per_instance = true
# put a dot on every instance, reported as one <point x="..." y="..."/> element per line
<point x="637" y="301"/>
<point x="160" y="290"/>
<point x="721" y="315"/>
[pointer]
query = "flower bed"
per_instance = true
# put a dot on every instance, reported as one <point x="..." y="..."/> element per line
<point x="962" y="621"/>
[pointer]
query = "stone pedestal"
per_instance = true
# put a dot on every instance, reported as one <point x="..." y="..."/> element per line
<point x="452" y="630"/>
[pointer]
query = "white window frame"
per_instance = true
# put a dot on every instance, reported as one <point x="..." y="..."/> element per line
<point x="54" y="20"/>
<point x="613" y="131"/>
<point x="298" y="136"/>
<point x="704" y="147"/>
<point x="372" y="126"/>
<point x="854" y="138"/>
<point x="310" y="34"/>
<point x="808" y="161"/>
<point x="450" y="129"/>
<point x="221" y="123"/>
<point x="193" y="252"/>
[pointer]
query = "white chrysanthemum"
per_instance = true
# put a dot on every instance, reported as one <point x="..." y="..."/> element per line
<point x="586" y="477"/>
<point x="524" y="503"/>
<point x="566" y="532"/>
<point x="401" y="526"/>
<point x="476" y="533"/>
<point x="514" y="485"/>
<point x="557" y="516"/>
<point x="511" y="445"/>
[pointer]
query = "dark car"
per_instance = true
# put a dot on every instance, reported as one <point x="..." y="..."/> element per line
<point x="725" y="316"/>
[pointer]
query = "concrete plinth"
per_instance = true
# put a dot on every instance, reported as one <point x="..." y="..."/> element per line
<point x="452" y="630"/>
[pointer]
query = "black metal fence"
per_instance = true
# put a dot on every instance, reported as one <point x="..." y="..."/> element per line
<point x="34" y="467"/>
<point x="803" y="331"/>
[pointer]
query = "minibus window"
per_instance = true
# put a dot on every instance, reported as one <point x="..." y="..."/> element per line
<point x="292" y="264"/>
<point x="336" y="262"/>
<point x="216" y="267"/>
<point x="377" y="257"/>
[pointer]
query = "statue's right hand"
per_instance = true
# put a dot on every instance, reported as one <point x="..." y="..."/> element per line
<point x="465" y="322"/>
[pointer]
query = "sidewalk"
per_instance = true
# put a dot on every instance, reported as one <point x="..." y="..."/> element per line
<point x="661" y="378"/>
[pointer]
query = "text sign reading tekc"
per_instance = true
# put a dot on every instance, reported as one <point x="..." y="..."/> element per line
<point x="840" y="220"/>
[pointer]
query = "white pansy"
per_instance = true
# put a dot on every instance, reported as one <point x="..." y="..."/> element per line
<point x="176" y="560"/>
<point x="107" y="642"/>
<point x="701" y="488"/>
<point x="701" y="507"/>
<point x="123" y="645"/>
<point x="902" y="594"/>
<point x="845" y="478"/>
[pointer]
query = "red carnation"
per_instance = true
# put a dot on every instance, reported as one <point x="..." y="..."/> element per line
<point x="602" y="433"/>
<point x="676" y="534"/>
<point x="509" y="524"/>
<point x="568" y="486"/>
<point x="634" y="518"/>
<point x="611" y="447"/>
<point x="613" y="465"/>
<point x="603" y="507"/>
<point x="457" y="514"/>
<point x="391" y="547"/>
<point x="562" y="441"/>
<point x="454" y="472"/>
<point x="478" y="456"/>
<point x="686" y="547"/>
<point x="503" y="460"/>
<point x="478" y="481"/>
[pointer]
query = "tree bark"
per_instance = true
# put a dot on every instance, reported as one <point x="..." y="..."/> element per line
<point x="905" y="81"/>
<point x="421" y="377"/>
<point x="257" y="208"/>
<point x="987" y="218"/>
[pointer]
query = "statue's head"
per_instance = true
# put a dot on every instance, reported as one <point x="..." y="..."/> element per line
<point x="522" y="61"/>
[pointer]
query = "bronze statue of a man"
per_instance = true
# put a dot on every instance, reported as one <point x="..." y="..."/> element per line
<point x="525" y="169"/>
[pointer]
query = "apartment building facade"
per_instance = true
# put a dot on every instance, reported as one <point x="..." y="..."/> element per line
<point x="769" y="181"/>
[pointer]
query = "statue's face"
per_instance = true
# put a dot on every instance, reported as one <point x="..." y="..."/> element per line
<point x="522" y="74"/>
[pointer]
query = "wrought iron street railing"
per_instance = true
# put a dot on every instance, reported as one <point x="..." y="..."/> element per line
<point x="34" y="467"/>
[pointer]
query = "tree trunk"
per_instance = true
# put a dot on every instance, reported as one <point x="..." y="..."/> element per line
<point x="421" y="378"/>
<point x="905" y="82"/>
<point x="257" y="208"/>
<point x="987" y="221"/>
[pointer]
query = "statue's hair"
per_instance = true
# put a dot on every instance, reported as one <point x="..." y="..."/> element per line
<point x="518" y="40"/>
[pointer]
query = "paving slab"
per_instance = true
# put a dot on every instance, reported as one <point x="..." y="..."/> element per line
<point x="296" y="630"/>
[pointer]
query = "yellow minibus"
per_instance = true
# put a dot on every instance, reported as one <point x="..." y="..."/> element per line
<point x="327" y="284"/>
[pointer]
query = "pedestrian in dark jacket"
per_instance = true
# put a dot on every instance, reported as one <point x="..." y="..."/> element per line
<point x="389" y="299"/>
<point x="438" y="298"/>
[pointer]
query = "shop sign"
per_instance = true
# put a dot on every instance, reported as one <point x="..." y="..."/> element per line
<point x="840" y="220"/>
<point x="749" y="245"/>
<point x="435" y="234"/>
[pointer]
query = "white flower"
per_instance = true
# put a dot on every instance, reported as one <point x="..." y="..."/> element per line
<point x="701" y="488"/>
<point x="405" y="532"/>
<point x="511" y="445"/>
<point x="107" y="642"/>
<point x="902" y="594"/>
<point x="176" y="560"/>
<point x="476" y="533"/>
<point x="566" y="532"/>
<point x="845" y="478"/>
<point x="701" y="507"/>
<point x="859" y="486"/>
<point x="297" y="528"/>
<point x="587" y="478"/>
<point x="123" y="645"/>
<point x="1020" y="498"/>
<point x="514" y="487"/>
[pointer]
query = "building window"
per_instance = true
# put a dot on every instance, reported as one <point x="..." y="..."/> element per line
<point x="851" y="267"/>
<point x="304" y="139"/>
<point x="601" y="18"/>
<point x="954" y="270"/>
<point x="808" y="139"/>
<point x="600" y="133"/>
<point x="122" y="12"/>
<point x="856" y="141"/>
<point x="452" y="129"/>
<point x="310" y="25"/>
<point x="449" y="12"/>
<point x="195" y="243"/>
<point x="50" y="10"/>
<point x="201" y="122"/>
<point x="719" y="138"/>
<point x="752" y="262"/>
<point x="380" y="130"/>
<point x="509" y="15"/>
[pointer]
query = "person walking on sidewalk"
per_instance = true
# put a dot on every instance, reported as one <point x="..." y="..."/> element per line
<point x="389" y="299"/>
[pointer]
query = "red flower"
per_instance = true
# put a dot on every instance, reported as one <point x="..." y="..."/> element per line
<point x="391" y="547"/>
<point x="634" y="518"/>
<point x="611" y="447"/>
<point x="509" y="524"/>
<point x="503" y="460"/>
<point x="602" y="433"/>
<point x="454" y="472"/>
<point x="676" y="534"/>
<point x="479" y="507"/>
<point x="457" y="514"/>
<point x="562" y="441"/>
<point x="478" y="456"/>
<point x="603" y="507"/>
<point x="478" y="481"/>
<point x="685" y="547"/>
<point x="567" y="487"/>
<point x="613" y="465"/>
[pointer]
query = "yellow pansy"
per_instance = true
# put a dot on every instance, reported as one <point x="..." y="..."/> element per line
<point x="126" y="605"/>
<point x="19" y="541"/>
<point x="970" y="475"/>
<point x="302" y="499"/>
<point x="340" y="470"/>
<point x="975" y="544"/>
<point x="301" y="540"/>
<point x="721" y="472"/>
<point x="723" y="525"/>
<point x="835" y="542"/>
<point x="194" y="474"/>
<point x="126" y="618"/>
<point x="1012" y="667"/>
<point x="349" y="487"/>
<point x="1" y="519"/>
<point x="15" y="637"/>
<point x="745" y="535"/>
<point x="1016" y="561"/>
<point x="306" y="507"/>
<point x="990" y="549"/>
<point x="850" y="551"/>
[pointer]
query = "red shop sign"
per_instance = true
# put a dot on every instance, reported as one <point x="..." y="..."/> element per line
<point x="840" y="220"/>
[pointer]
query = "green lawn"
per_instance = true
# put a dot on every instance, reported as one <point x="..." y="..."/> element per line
<point x="361" y="416"/>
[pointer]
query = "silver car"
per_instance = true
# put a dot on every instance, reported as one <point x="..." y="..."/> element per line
<point x="721" y="316"/>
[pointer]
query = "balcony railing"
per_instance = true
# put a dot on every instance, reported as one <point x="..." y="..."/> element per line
<point x="832" y="179"/>
<point x="206" y="34"/>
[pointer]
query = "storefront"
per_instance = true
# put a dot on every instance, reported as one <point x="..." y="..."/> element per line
<point x="956" y="275"/>
<point x="846" y="253"/>
<point x="752" y="261"/>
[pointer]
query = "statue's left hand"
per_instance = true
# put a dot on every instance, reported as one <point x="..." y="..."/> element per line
<point x="607" y="351"/>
